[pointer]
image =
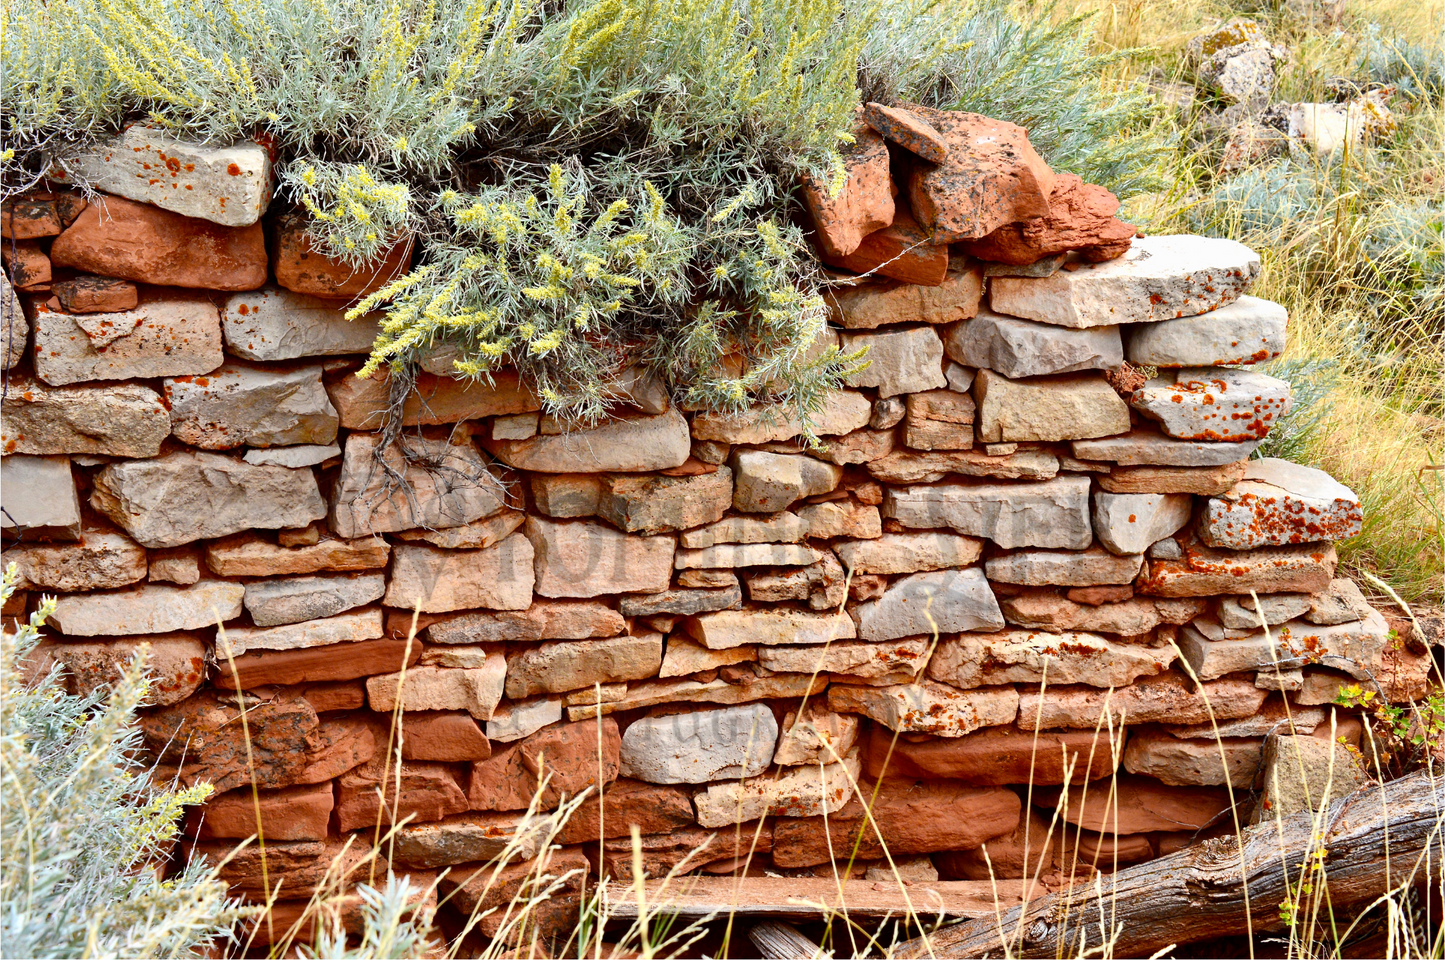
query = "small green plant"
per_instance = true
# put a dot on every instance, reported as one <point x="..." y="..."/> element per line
<point x="85" y="829"/>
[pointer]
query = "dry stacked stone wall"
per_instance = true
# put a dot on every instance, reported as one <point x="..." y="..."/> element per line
<point x="1014" y="559"/>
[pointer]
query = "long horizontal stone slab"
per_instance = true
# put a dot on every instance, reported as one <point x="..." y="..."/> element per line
<point x="1280" y="503"/>
<point x="1249" y="330"/>
<point x="782" y="686"/>
<point x="944" y="601"/>
<point x="1054" y="513"/>
<point x="624" y="446"/>
<point x="911" y="467"/>
<point x="1206" y="572"/>
<point x="1146" y="447"/>
<point x="1017" y="348"/>
<point x="345" y="628"/>
<point x="148" y="609"/>
<point x="161" y="337"/>
<point x="928" y="707"/>
<point x="769" y="625"/>
<point x="276" y="324"/>
<point x="1026" y="656"/>
<point x="1214" y="404"/>
<point x="118" y="420"/>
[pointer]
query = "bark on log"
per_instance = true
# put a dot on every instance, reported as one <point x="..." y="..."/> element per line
<point x="1378" y="839"/>
<point x="783" y="941"/>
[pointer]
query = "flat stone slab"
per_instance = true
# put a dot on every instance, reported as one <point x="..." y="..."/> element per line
<point x="811" y="791"/>
<point x="148" y="609"/>
<point x="1170" y="697"/>
<point x="928" y="707"/>
<point x="781" y="527"/>
<point x="700" y="746"/>
<point x="1352" y="647"/>
<point x="901" y="361"/>
<point x="770" y="482"/>
<point x="682" y="603"/>
<point x="345" y="628"/>
<point x="1146" y="447"/>
<point x="118" y="420"/>
<point x="945" y="601"/>
<point x="1160" y="278"/>
<point x="577" y="664"/>
<point x="184" y="496"/>
<point x="908" y="553"/>
<point x="1205" y="571"/>
<point x="1249" y="330"/>
<point x="1064" y="407"/>
<point x="242" y="405"/>
<point x="1027" y="656"/>
<point x="295" y="457"/>
<point x="842" y="411"/>
<point x="477" y="690"/>
<point x="227" y="185"/>
<point x="1054" y="513"/>
<point x="653" y="504"/>
<point x="584" y="559"/>
<point x="248" y="555"/>
<point x="497" y="578"/>
<point x="274" y="602"/>
<point x="101" y="560"/>
<point x="446" y="485"/>
<point x="1280" y="503"/>
<point x="625" y="446"/>
<point x="1214" y="404"/>
<point x="897" y="661"/>
<point x="1241" y="613"/>
<point x="912" y="467"/>
<point x="159" y="338"/>
<point x="732" y="555"/>
<point x="1018" y="348"/>
<point x="769" y="625"/>
<point x="867" y="306"/>
<point x="1128" y="523"/>
<point x="276" y="324"/>
<point x="1064" y="568"/>
<point x="40" y="498"/>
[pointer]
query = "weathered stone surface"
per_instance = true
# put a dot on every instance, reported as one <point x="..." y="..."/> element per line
<point x="302" y="455"/>
<point x="824" y="521"/>
<point x="1215" y="404"/>
<point x="900" y="251"/>
<point x="1205" y="762"/>
<point x="897" y="661"/>
<point x="201" y="729"/>
<point x="860" y="446"/>
<point x="566" y="495"/>
<point x="911" y="816"/>
<point x="277" y="324"/>
<point x="1205" y="481"/>
<point x="771" y="625"/>
<point x="1143" y="446"/>
<point x="822" y="584"/>
<point x="102" y="559"/>
<point x="582" y="559"/>
<point x="119" y="420"/>
<point x="228" y="185"/>
<point x="1160" y="278"/>
<point x="1025" y="656"/>
<point x="867" y="306"/>
<point x="1138" y="805"/>
<point x="476" y="690"/>
<point x="1279" y="503"/>
<point x="445" y="485"/>
<point x="662" y="504"/>
<point x="291" y="813"/>
<point x="624" y="446"/>
<point x="731" y="555"/>
<point x="89" y="294"/>
<point x="1249" y="330"/>
<point x="1204" y="571"/>
<point x="26" y="264"/>
<point x="700" y="746"/>
<point x="303" y="267"/>
<point x="14" y="326"/>
<point x="1031" y="850"/>
<point x="900" y="361"/>
<point x="927" y="707"/>
<point x="137" y="241"/>
<point x="843" y="411"/>
<point x="40" y="498"/>
<point x="346" y="628"/>
<point x="682" y="603"/>
<point x="1080" y="217"/>
<point x="274" y="602"/>
<point x="560" y="667"/>
<point x="779" y="528"/>
<point x="1046" y="610"/>
<point x="239" y="404"/>
<point x="476" y="535"/>
<point x="470" y="838"/>
<point x="995" y="756"/>
<point x="1241" y="613"/>
<point x="369" y="794"/>
<point x="247" y="555"/>
<point x="811" y="791"/>
<point x="1303" y="774"/>
<point x="991" y="176"/>
<point x="184" y="496"/>
<point x="910" y="467"/>
<point x="1341" y="602"/>
<point x="684" y="657"/>
<point x="769" y="482"/>
<point x="1066" y="407"/>
<point x="1018" y="348"/>
<point x="1054" y="513"/>
<point x="30" y="215"/>
<point x="1167" y="698"/>
<point x="748" y="689"/>
<point x="815" y="737"/>
<point x="517" y="719"/>
<point x="342" y="661"/>
<point x="175" y="663"/>
<point x="1213" y="652"/>
<point x="147" y="609"/>
<point x="908" y="130"/>
<point x="908" y="552"/>
<point x="159" y="338"/>
<point x="864" y="204"/>
<point x="942" y="602"/>
<point x="1128" y="523"/>
<point x="1064" y="568"/>
<point x="948" y="406"/>
<point x="1274" y="716"/>
<point x="652" y="808"/>
<point x="497" y="578"/>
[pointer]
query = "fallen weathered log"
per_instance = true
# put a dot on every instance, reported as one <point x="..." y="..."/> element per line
<point x="783" y="941"/>
<point x="1378" y="839"/>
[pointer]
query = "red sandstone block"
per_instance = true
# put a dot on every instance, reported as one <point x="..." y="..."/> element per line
<point x="291" y="813"/>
